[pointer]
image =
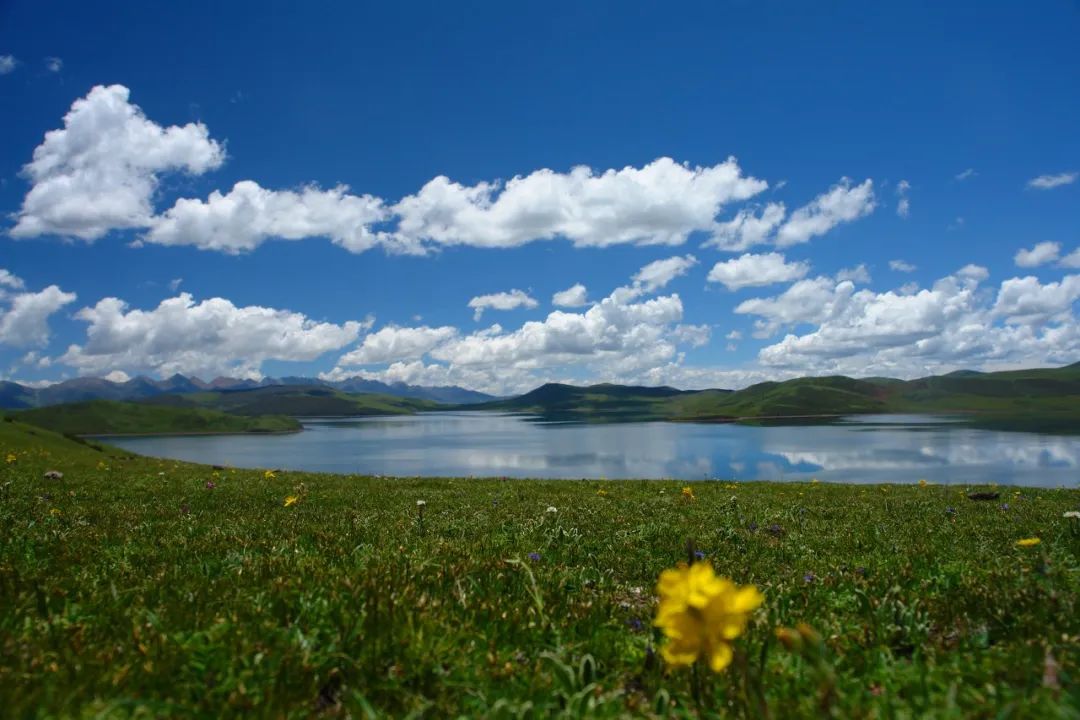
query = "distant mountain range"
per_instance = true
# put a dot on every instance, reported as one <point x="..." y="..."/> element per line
<point x="14" y="396"/>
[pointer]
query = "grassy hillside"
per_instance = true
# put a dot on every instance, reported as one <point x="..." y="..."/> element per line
<point x="136" y="587"/>
<point x="105" y="417"/>
<point x="1040" y="399"/>
<point x="295" y="400"/>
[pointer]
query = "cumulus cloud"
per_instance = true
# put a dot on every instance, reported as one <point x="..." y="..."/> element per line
<point x="1048" y="182"/>
<point x="574" y="296"/>
<point x="901" y="266"/>
<point x="657" y="274"/>
<point x="99" y="172"/>
<point x="660" y="203"/>
<point x="840" y="204"/>
<point x="1072" y="260"/>
<point x="7" y="280"/>
<point x="1041" y="254"/>
<point x="501" y="301"/>
<point x="953" y="324"/>
<point x="207" y="338"/>
<point x="903" y="204"/>
<point x="248" y="215"/>
<point x="24" y="322"/>
<point x="747" y="229"/>
<point x="858" y="274"/>
<point x="393" y="343"/>
<point x="7" y="64"/>
<point x="751" y="270"/>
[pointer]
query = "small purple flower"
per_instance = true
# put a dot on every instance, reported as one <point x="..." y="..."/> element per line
<point x="861" y="570"/>
<point x="698" y="555"/>
<point x="776" y="530"/>
<point x="809" y="577"/>
<point x="534" y="556"/>
<point x="752" y="527"/>
<point x="635" y="624"/>
<point x="1004" y="506"/>
<point x="950" y="510"/>
<point x="210" y="485"/>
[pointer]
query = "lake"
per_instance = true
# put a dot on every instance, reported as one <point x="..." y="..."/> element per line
<point x="858" y="449"/>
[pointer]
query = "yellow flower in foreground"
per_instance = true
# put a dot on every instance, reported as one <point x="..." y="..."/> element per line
<point x="601" y="492"/>
<point x="1028" y="542"/>
<point x="700" y="614"/>
<point x="923" y="482"/>
<point x="688" y="493"/>
<point x="11" y="458"/>
<point x="269" y="475"/>
<point x="292" y="500"/>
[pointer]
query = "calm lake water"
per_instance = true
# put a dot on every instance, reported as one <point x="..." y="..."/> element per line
<point x="862" y="449"/>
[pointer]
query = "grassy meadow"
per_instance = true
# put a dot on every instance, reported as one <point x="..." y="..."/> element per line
<point x="137" y="587"/>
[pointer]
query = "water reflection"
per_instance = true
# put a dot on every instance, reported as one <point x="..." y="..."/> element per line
<point x="864" y="449"/>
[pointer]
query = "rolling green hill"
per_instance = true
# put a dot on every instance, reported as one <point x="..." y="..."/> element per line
<point x="105" y="417"/>
<point x="295" y="400"/>
<point x="1039" y="399"/>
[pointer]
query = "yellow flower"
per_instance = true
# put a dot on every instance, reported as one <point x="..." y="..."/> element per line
<point x="815" y="481"/>
<point x="688" y="493"/>
<point x="700" y="614"/>
<point x="11" y="458"/>
<point x="1028" y="542"/>
<point x="601" y="492"/>
<point x="292" y="500"/>
<point x="269" y="475"/>
<point x="923" y="482"/>
<point x="55" y="512"/>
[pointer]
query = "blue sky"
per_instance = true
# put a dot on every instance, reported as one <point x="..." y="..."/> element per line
<point x="908" y="172"/>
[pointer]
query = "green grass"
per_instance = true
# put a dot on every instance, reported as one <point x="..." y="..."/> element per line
<point x="105" y="417"/>
<point x="130" y="589"/>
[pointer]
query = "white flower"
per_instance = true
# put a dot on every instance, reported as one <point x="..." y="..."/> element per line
<point x="1072" y="514"/>
<point x="421" y="503"/>
<point x="551" y="509"/>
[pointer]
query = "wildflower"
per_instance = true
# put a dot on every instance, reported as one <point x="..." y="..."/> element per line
<point x="291" y="500"/>
<point x="752" y="526"/>
<point x="551" y="510"/>
<point x="688" y="493"/>
<point x="923" y="482"/>
<point x="635" y="624"/>
<point x="699" y="555"/>
<point x="1004" y="506"/>
<point x="950" y="510"/>
<point x="421" y="504"/>
<point x="602" y="492"/>
<point x="815" y="481"/>
<point x="1028" y="542"/>
<point x="11" y="458"/>
<point x="809" y="578"/>
<point x="210" y="484"/>
<point x="701" y="614"/>
<point x="776" y="530"/>
<point x="269" y="475"/>
<point x="55" y="512"/>
<point x="534" y="556"/>
<point x="1072" y="514"/>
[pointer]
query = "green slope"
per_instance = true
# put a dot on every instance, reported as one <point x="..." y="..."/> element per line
<point x="594" y="403"/>
<point x="105" y="417"/>
<point x="297" y="401"/>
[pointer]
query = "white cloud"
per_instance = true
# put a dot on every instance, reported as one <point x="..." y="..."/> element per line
<point x="175" y="283"/>
<point x="973" y="272"/>
<point x="757" y="270"/>
<point x="734" y="335"/>
<point x="7" y="280"/>
<point x="1072" y="260"/>
<point x="99" y="172"/>
<point x="692" y="335"/>
<point x="857" y="274"/>
<point x="25" y="321"/>
<point x="965" y="175"/>
<point x="1026" y="300"/>
<point x="954" y="324"/>
<point x="746" y="229"/>
<point x="7" y="64"/>
<point x="54" y="64"/>
<point x="659" y="203"/>
<point x="903" y="205"/>
<point x="394" y="343"/>
<point x="248" y="215"/>
<point x="901" y="266"/>
<point x="574" y="296"/>
<point x="657" y="274"/>
<point x="208" y="338"/>
<point x="1047" y="182"/>
<point x="841" y="203"/>
<point x="1041" y="254"/>
<point x="501" y="301"/>
<point x="117" y="376"/>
